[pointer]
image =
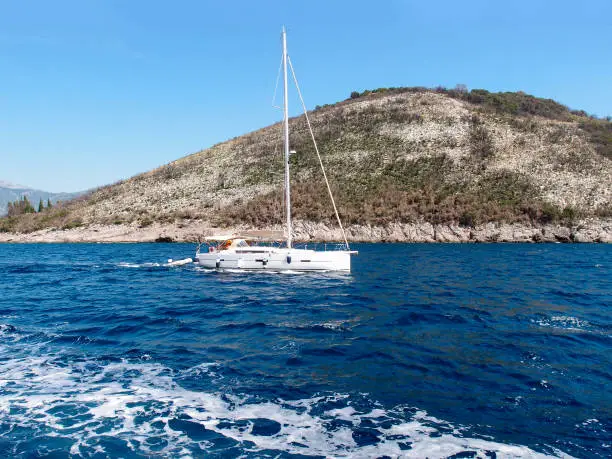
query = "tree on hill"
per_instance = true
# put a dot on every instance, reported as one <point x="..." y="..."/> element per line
<point x="41" y="207"/>
<point x="20" y="206"/>
<point x="49" y="203"/>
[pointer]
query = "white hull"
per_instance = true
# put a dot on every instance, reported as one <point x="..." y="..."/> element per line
<point x="276" y="259"/>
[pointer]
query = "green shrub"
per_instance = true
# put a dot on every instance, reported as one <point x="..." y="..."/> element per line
<point x="570" y="214"/>
<point x="514" y="103"/>
<point x="7" y="224"/>
<point x="548" y="213"/>
<point x="481" y="143"/>
<point x="403" y="191"/>
<point x="77" y="222"/>
<point x="467" y="220"/>
<point x="600" y="135"/>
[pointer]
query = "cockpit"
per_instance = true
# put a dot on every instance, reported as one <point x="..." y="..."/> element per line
<point x="233" y="244"/>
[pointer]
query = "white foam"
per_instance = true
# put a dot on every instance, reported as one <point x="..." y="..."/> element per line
<point x="564" y="322"/>
<point x="129" y="399"/>
<point x="125" y="264"/>
<point x="203" y="269"/>
<point x="333" y="324"/>
<point x="569" y="321"/>
<point x="6" y="329"/>
<point x="589" y="421"/>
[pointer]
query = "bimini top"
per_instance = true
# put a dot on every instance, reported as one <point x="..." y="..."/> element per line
<point x="219" y="237"/>
<point x="263" y="234"/>
<point x="248" y="235"/>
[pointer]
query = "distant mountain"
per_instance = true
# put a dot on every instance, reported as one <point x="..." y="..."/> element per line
<point x="4" y="184"/>
<point x="10" y="192"/>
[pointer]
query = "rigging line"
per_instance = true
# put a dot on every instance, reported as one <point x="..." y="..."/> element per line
<point x="297" y="86"/>
<point x="280" y="66"/>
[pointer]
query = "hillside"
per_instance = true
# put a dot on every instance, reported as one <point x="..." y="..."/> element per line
<point x="10" y="192"/>
<point x="399" y="156"/>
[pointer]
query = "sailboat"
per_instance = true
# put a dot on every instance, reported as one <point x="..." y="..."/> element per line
<point x="249" y="251"/>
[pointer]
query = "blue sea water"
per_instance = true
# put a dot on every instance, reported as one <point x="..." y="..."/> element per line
<point x="423" y="351"/>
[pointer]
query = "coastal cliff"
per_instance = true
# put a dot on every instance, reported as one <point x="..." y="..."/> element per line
<point x="405" y="164"/>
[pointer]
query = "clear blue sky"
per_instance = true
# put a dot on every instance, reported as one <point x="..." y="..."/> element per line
<point x="95" y="91"/>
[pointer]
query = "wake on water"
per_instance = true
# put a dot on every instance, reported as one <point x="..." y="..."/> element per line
<point x="127" y="407"/>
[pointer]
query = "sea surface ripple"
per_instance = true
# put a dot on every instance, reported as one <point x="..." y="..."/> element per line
<point x="423" y="351"/>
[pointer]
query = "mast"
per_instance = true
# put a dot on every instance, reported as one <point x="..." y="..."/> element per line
<point x="286" y="138"/>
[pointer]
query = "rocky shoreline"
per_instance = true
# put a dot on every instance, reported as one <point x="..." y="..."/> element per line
<point x="192" y="231"/>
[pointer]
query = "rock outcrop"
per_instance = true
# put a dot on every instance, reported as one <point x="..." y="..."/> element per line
<point x="586" y="231"/>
